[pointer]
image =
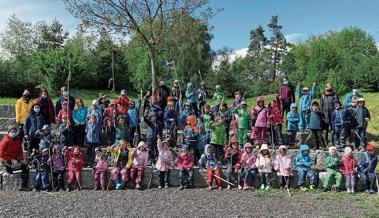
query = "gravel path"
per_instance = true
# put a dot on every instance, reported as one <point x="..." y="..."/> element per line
<point x="188" y="203"/>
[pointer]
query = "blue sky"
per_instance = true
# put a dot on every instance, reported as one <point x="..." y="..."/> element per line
<point x="300" y="18"/>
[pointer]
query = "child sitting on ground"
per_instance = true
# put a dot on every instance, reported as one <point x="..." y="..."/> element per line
<point x="264" y="165"/>
<point x="41" y="164"/>
<point x="121" y="163"/>
<point x="247" y="161"/>
<point x="140" y="157"/>
<point x="163" y="163"/>
<point x="100" y="170"/>
<point x="283" y="166"/>
<point x="348" y="168"/>
<point x="75" y="166"/>
<point x="209" y="163"/>
<point x="332" y="163"/>
<point x="185" y="164"/>
<point x="304" y="163"/>
<point x="59" y="168"/>
<point x="231" y="155"/>
<point x="366" y="169"/>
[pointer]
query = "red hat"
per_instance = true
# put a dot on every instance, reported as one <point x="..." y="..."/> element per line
<point x="370" y="147"/>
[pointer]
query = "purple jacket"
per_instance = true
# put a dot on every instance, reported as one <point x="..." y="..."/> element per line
<point x="58" y="163"/>
<point x="287" y="94"/>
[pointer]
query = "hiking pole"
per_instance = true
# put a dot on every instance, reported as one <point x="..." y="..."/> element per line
<point x="287" y="185"/>
<point x="151" y="176"/>
<point x="51" y="168"/>
<point x="377" y="183"/>
<point x="109" y="172"/>
<point x="218" y="177"/>
<point x="360" y="139"/>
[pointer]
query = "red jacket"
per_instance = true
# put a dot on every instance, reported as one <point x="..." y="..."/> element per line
<point x="11" y="149"/>
<point x="72" y="158"/>
<point x="51" y="110"/>
<point x="63" y="113"/>
<point x="348" y="165"/>
<point x="123" y="104"/>
<point x="185" y="161"/>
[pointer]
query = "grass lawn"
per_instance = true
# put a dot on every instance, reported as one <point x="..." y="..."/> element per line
<point x="371" y="103"/>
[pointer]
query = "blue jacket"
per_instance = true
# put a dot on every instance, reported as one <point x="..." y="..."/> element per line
<point x="303" y="162"/>
<point x="95" y="111"/>
<point x="367" y="163"/>
<point x="122" y="132"/>
<point x="184" y="115"/>
<point x="93" y="132"/>
<point x="349" y="97"/>
<point x="293" y="119"/>
<point x="46" y="140"/>
<point x="80" y="116"/>
<point x="170" y="114"/>
<point x="305" y="100"/>
<point x="133" y="115"/>
<point x="191" y="93"/>
<point x="66" y="136"/>
<point x="360" y="113"/>
<point x="339" y="118"/>
<point x="152" y="130"/>
<point x="208" y="160"/>
<point x="316" y="119"/>
<point x="33" y="123"/>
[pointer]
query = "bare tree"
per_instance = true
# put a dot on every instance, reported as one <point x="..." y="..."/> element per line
<point x="150" y="20"/>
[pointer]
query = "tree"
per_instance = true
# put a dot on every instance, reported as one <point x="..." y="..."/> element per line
<point x="17" y="39"/>
<point x="50" y="35"/>
<point x="278" y="45"/>
<point x="149" y="20"/>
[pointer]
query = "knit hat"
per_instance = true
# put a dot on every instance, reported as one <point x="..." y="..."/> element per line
<point x="305" y="89"/>
<point x="348" y="151"/>
<point x="370" y="147"/>
<point x="337" y="102"/>
<point x="264" y="147"/>
<point x="331" y="148"/>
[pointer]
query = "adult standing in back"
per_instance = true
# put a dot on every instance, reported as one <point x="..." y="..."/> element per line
<point x="23" y="107"/>
<point x="65" y="96"/>
<point x="47" y="107"/>
<point x="161" y="93"/>
<point x="286" y="95"/>
<point x="327" y="107"/>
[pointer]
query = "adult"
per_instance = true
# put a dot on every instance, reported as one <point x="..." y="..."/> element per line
<point x="161" y="93"/>
<point x="33" y="123"/>
<point x="12" y="156"/>
<point x="102" y="101"/>
<point x="352" y="97"/>
<point x="286" y="95"/>
<point x="23" y="107"/>
<point x="176" y="92"/>
<point x="80" y="120"/>
<point x="328" y="98"/>
<point x="123" y="103"/>
<point x="65" y="96"/>
<point x="192" y="97"/>
<point x="47" y="107"/>
<point x="96" y="110"/>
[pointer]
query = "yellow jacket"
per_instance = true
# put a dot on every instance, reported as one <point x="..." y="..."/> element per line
<point x="117" y="150"/>
<point x="23" y="110"/>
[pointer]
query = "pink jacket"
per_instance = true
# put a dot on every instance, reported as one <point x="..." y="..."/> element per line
<point x="140" y="158"/>
<point x="348" y="165"/>
<point x="283" y="165"/>
<point x="101" y="165"/>
<point x="264" y="164"/>
<point x="246" y="160"/>
<point x="262" y="116"/>
<point x="164" y="157"/>
<point x="186" y="161"/>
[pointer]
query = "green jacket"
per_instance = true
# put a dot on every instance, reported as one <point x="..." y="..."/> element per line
<point x="219" y="97"/>
<point x="332" y="163"/>
<point x="243" y="118"/>
<point x="207" y="119"/>
<point x="218" y="133"/>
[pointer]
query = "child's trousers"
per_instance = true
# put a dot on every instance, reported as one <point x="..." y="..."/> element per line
<point x="330" y="177"/>
<point x="265" y="178"/>
<point x="41" y="177"/>
<point x="349" y="181"/>
<point x="136" y="175"/>
<point x="186" y="177"/>
<point x="211" y="174"/>
<point x="248" y="176"/>
<point x="58" y="179"/>
<point x="73" y="175"/>
<point x="101" y="178"/>
<point x="302" y="173"/>
<point x="163" y="177"/>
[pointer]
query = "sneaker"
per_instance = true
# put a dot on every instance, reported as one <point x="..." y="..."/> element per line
<point x="352" y="191"/>
<point x="160" y="187"/>
<point x="68" y="190"/>
<point x="267" y="188"/>
<point x="47" y="190"/>
<point x="312" y="187"/>
<point x="220" y="188"/>
<point x="303" y="188"/>
<point x="138" y="186"/>
<point x="62" y="189"/>
<point x="209" y="187"/>
<point x="246" y="186"/>
<point x="23" y="189"/>
<point x="239" y="187"/>
<point x="96" y="188"/>
<point x="371" y="191"/>
<point x="367" y="191"/>
<point x="181" y="187"/>
<point x="262" y="187"/>
<point x="348" y="191"/>
<point x="281" y="188"/>
<point x="166" y="185"/>
<point x="35" y="190"/>
<point x="229" y="187"/>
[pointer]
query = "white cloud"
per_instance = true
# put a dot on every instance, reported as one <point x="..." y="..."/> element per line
<point x="295" y="37"/>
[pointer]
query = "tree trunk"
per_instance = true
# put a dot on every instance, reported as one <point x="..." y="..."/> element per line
<point x="113" y="76"/>
<point x="152" y="65"/>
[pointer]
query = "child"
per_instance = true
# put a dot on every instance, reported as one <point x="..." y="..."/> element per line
<point x="366" y="169"/>
<point x="190" y="134"/>
<point x="227" y="117"/>
<point x="122" y="130"/>
<point x="42" y="170"/>
<point x="45" y="136"/>
<point x="95" y="110"/>
<point x="64" y="112"/>
<point x="123" y="103"/>
<point x="134" y="120"/>
<point x="185" y="164"/>
<point x="140" y="157"/>
<point x="231" y="155"/>
<point x="218" y="139"/>
<point x="243" y="117"/>
<point x="33" y="124"/>
<point x="264" y="165"/>
<point x="292" y="124"/>
<point x="362" y="116"/>
<point x="348" y="168"/>
<point x="121" y="163"/>
<point x="259" y="117"/>
<point x="66" y="133"/>
<point x="164" y="163"/>
<point x="206" y="118"/>
<point x="304" y="163"/>
<point x="276" y="119"/>
<point x="218" y="96"/>
<point x="247" y="161"/>
<point x="93" y="138"/>
<point x="110" y="116"/>
<point x="75" y="166"/>
<point x="339" y="122"/>
<point x="192" y="98"/>
<point x="283" y="166"/>
<point x="208" y="162"/>
<point x="186" y="111"/>
<point x="100" y="170"/>
<point x="305" y="99"/>
<point x="332" y="163"/>
<point x="59" y="168"/>
<point x="315" y="125"/>
<point x="170" y="118"/>
<point x="154" y="128"/>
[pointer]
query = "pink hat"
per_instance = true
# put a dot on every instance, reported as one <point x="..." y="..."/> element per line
<point x="261" y="98"/>
<point x="305" y="89"/>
